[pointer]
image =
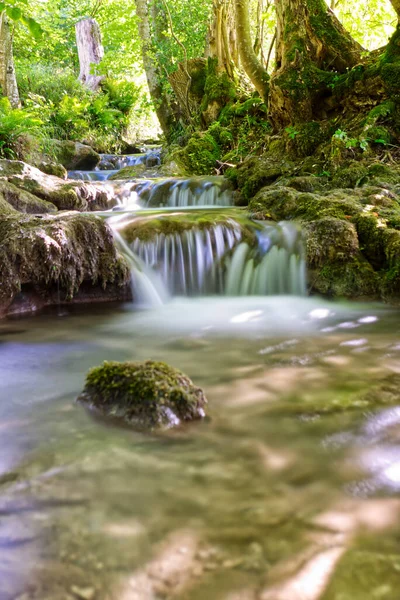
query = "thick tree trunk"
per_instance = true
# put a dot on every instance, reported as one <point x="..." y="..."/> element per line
<point x="8" y="80"/>
<point x="251" y="64"/>
<point x="90" y="51"/>
<point x="222" y="42"/>
<point x="311" y="44"/>
<point x="158" y="95"/>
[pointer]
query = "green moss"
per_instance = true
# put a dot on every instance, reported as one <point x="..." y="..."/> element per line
<point x="61" y="252"/>
<point x="307" y="138"/>
<point x="24" y="201"/>
<point x="330" y="241"/>
<point x="350" y="177"/>
<point x="352" y="279"/>
<point x="147" y="395"/>
<point x="131" y="172"/>
<point x="147" y="229"/>
<point x="201" y="154"/>
<point x="365" y="574"/>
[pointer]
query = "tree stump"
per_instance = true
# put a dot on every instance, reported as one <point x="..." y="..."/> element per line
<point x="90" y="52"/>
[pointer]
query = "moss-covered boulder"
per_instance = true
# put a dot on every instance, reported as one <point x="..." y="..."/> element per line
<point x="128" y="173"/>
<point x="73" y="155"/>
<point x="147" y="396"/>
<point x="58" y="259"/>
<point x="23" y="201"/>
<point x="52" y="168"/>
<point x="200" y="155"/>
<point x="65" y="195"/>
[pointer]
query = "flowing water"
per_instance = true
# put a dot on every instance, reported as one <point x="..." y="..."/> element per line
<point x="287" y="491"/>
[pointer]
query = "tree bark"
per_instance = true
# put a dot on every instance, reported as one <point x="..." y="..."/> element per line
<point x="221" y="39"/>
<point x="251" y="64"/>
<point x="90" y="52"/>
<point x="8" y="80"/>
<point x="311" y="44"/>
<point x="158" y="95"/>
<point x="396" y="6"/>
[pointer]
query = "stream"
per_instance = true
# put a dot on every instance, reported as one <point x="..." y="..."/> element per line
<point x="289" y="490"/>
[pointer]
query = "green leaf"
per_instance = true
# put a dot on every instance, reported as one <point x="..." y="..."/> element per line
<point x="33" y="26"/>
<point x="14" y="12"/>
<point x="2" y="7"/>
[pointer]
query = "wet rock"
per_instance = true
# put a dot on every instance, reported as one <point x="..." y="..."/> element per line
<point x="65" y="195"/>
<point x="74" y="156"/>
<point x="53" y="259"/>
<point x="23" y="201"/>
<point x="149" y="395"/>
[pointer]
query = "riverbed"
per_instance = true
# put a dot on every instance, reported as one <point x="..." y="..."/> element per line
<point x="287" y="491"/>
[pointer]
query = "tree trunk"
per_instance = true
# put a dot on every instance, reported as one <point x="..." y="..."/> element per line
<point x="8" y="80"/>
<point x="90" y="51"/>
<point x="221" y="42"/>
<point x="396" y="6"/>
<point x="251" y="64"/>
<point x="158" y="94"/>
<point x="311" y="44"/>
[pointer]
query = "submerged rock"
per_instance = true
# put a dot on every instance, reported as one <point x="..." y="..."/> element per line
<point x="148" y="395"/>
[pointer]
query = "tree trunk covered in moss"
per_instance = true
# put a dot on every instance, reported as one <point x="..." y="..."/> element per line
<point x="90" y="51"/>
<point x="159" y="95"/>
<point x="8" y="80"/>
<point x="311" y="44"/>
<point x="251" y="64"/>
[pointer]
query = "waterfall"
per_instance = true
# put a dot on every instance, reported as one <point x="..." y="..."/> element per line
<point x="189" y="263"/>
<point x="195" y="192"/>
<point x="147" y="287"/>
<point x="220" y="259"/>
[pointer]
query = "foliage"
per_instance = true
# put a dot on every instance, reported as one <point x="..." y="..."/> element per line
<point x="15" y="123"/>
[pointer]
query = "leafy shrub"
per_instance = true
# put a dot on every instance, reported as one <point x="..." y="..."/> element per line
<point x="15" y="123"/>
<point x="70" y="111"/>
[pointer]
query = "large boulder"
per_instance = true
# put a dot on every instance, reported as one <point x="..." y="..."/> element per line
<point x="57" y="259"/>
<point x="23" y="201"/>
<point x="74" y="155"/>
<point x="65" y="195"/>
<point x="149" y="395"/>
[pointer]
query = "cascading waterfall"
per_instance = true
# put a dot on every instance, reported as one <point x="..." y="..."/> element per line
<point x="194" y="252"/>
<point x="219" y="260"/>
<point x="193" y="192"/>
<point x="189" y="263"/>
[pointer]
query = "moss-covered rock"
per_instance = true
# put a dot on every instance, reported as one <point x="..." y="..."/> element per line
<point x="73" y="155"/>
<point x="200" y="155"/>
<point x="330" y="240"/>
<point x="52" y="168"/>
<point x="257" y="172"/>
<point x="65" y="195"/>
<point x="128" y="173"/>
<point x="145" y="229"/>
<point x="54" y="256"/>
<point x="23" y="201"/>
<point x="149" y="395"/>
